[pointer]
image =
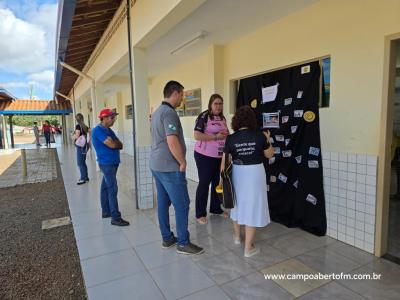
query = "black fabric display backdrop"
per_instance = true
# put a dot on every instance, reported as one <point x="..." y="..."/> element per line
<point x="294" y="175"/>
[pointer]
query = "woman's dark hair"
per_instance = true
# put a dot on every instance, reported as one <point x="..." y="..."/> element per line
<point x="80" y="120"/>
<point x="212" y="99"/>
<point x="244" y="117"/>
<point x="47" y="121"/>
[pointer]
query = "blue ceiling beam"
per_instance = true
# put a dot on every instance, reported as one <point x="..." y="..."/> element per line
<point x="66" y="11"/>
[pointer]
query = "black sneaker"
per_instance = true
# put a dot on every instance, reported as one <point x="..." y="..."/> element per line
<point x="120" y="222"/>
<point x="105" y="216"/>
<point x="80" y="181"/>
<point x="170" y="243"/>
<point x="189" y="249"/>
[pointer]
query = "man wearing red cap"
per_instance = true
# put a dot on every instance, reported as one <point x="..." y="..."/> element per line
<point x="107" y="147"/>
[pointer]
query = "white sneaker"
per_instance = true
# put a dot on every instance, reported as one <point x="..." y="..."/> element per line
<point x="250" y="253"/>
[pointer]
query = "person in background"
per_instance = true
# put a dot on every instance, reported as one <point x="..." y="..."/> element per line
<point x="168" y="166"/>
<point x="81" y="130"/>
<point x="107" y="147"/>
<point x="248" y="148"/>
<point x="210" y="132"/>
<point x="36" y="132"/>
<point x="46" y="130"/>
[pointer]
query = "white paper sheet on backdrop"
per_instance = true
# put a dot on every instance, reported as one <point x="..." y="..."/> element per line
<point x="269" y="93"/>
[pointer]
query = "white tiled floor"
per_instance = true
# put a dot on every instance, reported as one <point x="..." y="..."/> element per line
<point x="128" y="263"/>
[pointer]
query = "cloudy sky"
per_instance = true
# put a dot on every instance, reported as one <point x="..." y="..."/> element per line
<point x="27" y="46"/>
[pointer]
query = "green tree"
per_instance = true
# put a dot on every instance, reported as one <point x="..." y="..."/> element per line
<point x="28" y="120"/>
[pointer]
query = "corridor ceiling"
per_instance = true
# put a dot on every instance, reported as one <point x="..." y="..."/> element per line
<point x="81" y="25"/>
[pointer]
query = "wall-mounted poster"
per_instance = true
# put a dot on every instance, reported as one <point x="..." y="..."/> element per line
<point x="271" y="120"/>
<point x="128" y="111"/>
<point x="191" y="103"/>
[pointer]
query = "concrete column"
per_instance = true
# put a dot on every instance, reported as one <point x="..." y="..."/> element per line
<point x="4" y="131"/>
<point x="101" y="100"/>
<point x="11" y="131"/>
<point x="64" y="131"/>
<point x="145" y="193"/>
<point x="120" y="109"/>
<point x="69" y="125"/>
<point x="122" y="131"/>
<point x="215" y="69"/>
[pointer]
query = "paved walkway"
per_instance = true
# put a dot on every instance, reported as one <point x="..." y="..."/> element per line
<point x="41" y="167"/>
<point x="128" y="263"/>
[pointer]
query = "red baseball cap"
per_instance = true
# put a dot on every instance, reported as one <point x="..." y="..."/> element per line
<point x="106" y="112"/>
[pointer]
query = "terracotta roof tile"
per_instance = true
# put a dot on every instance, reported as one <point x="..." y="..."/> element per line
<point x="35" y="106"/>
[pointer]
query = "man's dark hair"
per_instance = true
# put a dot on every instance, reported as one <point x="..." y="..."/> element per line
<point x="244" y="117"/>
<point x="171" y="87"/>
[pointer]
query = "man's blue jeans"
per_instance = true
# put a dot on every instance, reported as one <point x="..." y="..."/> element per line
<point x="81" y="161"/>
<point x="109" y="191"/>
<point x="172" y="188"/>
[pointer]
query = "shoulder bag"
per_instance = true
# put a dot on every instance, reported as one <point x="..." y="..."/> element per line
<point x="228" y="192"/>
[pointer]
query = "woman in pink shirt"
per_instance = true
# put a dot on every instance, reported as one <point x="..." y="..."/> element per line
<point x="46" y="129"/>
<point x="210" y="133"/>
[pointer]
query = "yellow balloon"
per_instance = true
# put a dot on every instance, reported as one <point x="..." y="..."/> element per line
<point x="219" y="189"/>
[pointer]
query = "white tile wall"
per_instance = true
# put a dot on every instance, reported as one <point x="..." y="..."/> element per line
<point x="350" y="208"/>
<point x="191" y="169"/>
<point x="126" y="139"/>
<point x="350" y="195"/>
<point x="145" y="179"/>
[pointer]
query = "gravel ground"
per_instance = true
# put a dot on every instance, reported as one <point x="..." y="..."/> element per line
<point x="36" y="264"/>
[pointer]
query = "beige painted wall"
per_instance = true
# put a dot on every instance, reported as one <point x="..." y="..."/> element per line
<point x="153" y="18"/>
<point x="191" y="75"/>
<point x="150" y="20"/>
<point x="126" y="100"/>
<point x="352" y="32"/>
<point x="353" y="37"/>
<point x="81" y="107"/>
